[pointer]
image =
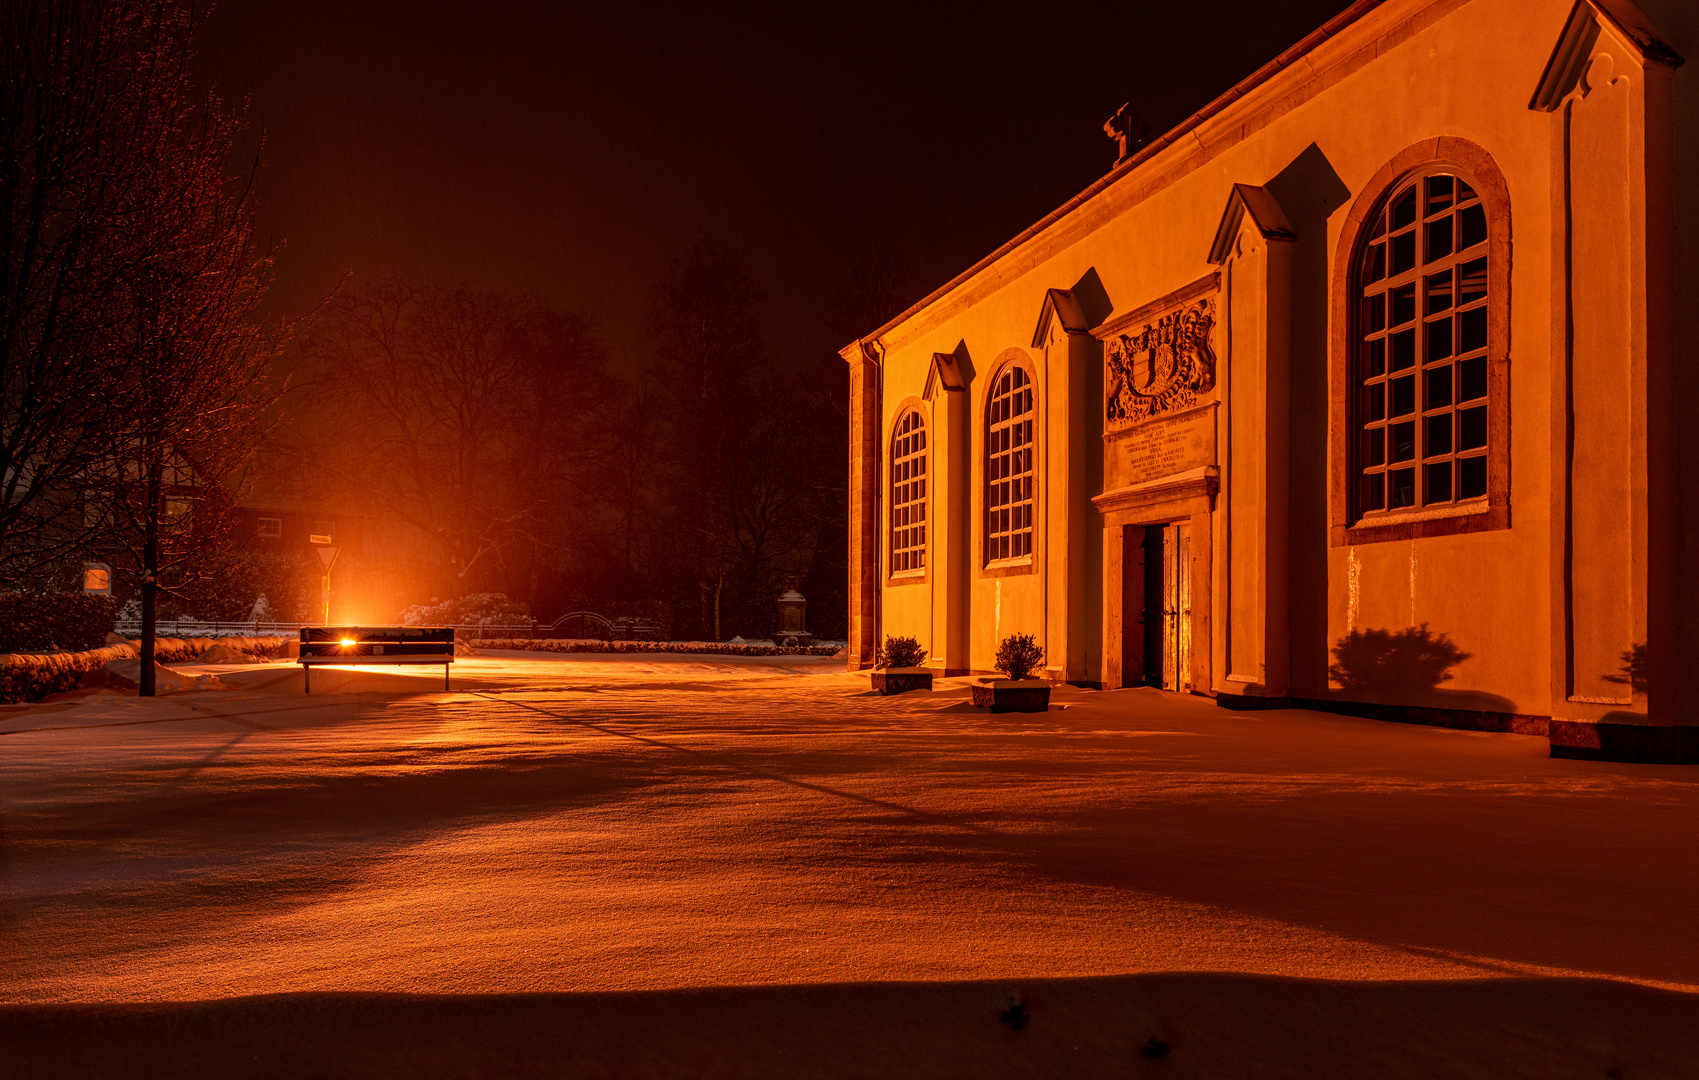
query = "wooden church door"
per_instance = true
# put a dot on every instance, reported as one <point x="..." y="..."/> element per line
<point x="1167" y="614"/>
<point x="1177" y="607"/>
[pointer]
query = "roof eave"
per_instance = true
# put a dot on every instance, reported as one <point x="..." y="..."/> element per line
<point x="1261" y="75"/>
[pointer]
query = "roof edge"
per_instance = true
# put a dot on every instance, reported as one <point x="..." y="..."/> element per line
<point x="1329" y="29"/>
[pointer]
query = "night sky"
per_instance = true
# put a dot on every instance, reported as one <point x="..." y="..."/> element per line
<point x="577" y="150"/>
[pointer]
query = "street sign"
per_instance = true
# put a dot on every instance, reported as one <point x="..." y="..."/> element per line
<point x="327" y="555"/>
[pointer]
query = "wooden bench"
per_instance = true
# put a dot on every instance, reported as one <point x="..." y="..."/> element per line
<point x="375" y="645"/>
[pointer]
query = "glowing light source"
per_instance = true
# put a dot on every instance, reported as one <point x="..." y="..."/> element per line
<point x="347" y="641"/>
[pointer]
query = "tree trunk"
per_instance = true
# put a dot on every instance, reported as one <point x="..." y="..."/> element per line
<point x="150" y="583"/>
<point x="150" y="613"/>
<point x="719" y="583"/>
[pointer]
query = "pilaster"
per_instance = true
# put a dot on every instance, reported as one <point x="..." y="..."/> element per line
<point x="946" y="391"/>
<point x="1615" y="690"/>
<point x="864" y="421"/>
<point x="1254" y="249"/>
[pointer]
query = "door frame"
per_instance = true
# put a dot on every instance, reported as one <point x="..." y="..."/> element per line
<point x="1125" y="521"/>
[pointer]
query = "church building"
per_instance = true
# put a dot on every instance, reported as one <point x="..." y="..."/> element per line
<point x="1369" y="387"/>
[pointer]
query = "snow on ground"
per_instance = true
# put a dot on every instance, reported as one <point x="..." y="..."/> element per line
<point x="620" y="823"/>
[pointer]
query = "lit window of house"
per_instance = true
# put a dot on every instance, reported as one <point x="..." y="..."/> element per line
<point x="270" y="527"/>
<point x="97" y="579"/>
<point x="175" y="512"/>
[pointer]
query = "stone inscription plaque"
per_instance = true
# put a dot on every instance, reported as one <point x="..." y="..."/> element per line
<point x="1161" y="447"/>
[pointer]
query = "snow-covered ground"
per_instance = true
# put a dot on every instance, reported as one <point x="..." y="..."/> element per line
<point x="649" y="823"/>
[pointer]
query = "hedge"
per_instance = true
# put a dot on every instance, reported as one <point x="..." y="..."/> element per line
<point x="32" y="676"/>
<point x="184" y="650"/>
<point x="590" y="645"/>
<point x="54" y="620"/>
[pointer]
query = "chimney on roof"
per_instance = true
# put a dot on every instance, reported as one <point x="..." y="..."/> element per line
<point x="1129" y="131"/>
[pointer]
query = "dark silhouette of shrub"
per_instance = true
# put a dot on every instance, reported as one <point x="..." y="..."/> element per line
<point x="1019" y="656"/>
<point x="1633" y="669"/>
<point x="1413" y="659"/>
<point x="899" y="652"/>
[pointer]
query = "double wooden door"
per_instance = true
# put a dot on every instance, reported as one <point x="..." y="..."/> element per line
<point x="1168" y="605"/>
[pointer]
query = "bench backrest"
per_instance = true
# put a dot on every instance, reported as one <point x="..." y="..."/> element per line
<point x="369" y="634"/>
<point x="355" y="643"/>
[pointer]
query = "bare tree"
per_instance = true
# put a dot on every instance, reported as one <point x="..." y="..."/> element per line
<point x="739" y="435"/>
<point x="634" y="467"/>
<point x="472" y="417"/>
<point x="192" y="398"/>
<point x="877" y="287"/>
<point x="89" y="96"/>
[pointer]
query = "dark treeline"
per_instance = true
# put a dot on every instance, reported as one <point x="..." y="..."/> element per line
<point x="484" y="440"/>
<point x="492" y="447"/>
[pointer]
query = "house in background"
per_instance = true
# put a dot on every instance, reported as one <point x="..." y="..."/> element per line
<point x="1359" y="389"/>
<point x="282" y="526"/>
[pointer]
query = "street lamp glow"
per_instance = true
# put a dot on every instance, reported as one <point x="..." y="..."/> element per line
<point x="347" y="641"/>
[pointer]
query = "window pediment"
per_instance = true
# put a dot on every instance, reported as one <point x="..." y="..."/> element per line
<point x="1060" y="309"/>
<point x="1574" y="48"/>
<point x="1264" y="211"/>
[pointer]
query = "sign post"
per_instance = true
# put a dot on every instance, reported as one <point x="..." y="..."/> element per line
<point x="327" y="556"/>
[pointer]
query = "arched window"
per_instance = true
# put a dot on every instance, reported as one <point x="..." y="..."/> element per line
<point x="1008" y="466"/>
<point x="908" y="494"/>
<point x="1420" y="372"/>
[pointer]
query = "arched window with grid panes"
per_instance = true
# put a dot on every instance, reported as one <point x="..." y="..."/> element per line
<point x="908" y="494"/>
<point x="1008" y="465"/>
<point x="1420" y="368"/>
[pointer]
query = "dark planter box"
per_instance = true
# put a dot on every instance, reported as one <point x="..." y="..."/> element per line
<point x="900" y="680"/>
<point x="1010" y="695"/>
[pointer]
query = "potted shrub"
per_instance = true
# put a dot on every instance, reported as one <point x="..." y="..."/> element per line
<point x="1017" y="657"/>
<point x="897" y="667"/>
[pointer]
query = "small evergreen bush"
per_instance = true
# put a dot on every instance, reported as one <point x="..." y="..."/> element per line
<point x="899" y="652"/>
<point x="476" y="610"/>
<point x="1019" y="656"/>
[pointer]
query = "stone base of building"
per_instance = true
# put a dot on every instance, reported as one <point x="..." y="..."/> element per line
<point x="1669" y="744"/>
<point x="1461" y="719"/>
<point x="1640" y="743"/>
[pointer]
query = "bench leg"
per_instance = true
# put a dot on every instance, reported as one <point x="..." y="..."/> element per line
<point x="446" y="668"/>
<point x="307" y="678"/>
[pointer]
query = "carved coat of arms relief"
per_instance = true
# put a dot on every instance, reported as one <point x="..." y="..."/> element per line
<point x="1161" y="368"/>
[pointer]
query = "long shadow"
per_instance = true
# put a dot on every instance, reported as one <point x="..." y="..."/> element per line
<point x="372" y="794"/>
<point x="728" y="763"/>
<point x="1191" y="1024"/>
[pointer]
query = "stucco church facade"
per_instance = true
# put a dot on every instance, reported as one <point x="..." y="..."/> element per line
<point x="1371" y="387"/>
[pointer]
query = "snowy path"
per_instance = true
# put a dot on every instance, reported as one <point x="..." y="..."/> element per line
<point x="572" y="825"/>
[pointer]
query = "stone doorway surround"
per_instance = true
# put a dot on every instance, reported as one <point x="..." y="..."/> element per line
<point x="1160" y="468"/>
<point x="1128" y="653"/>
